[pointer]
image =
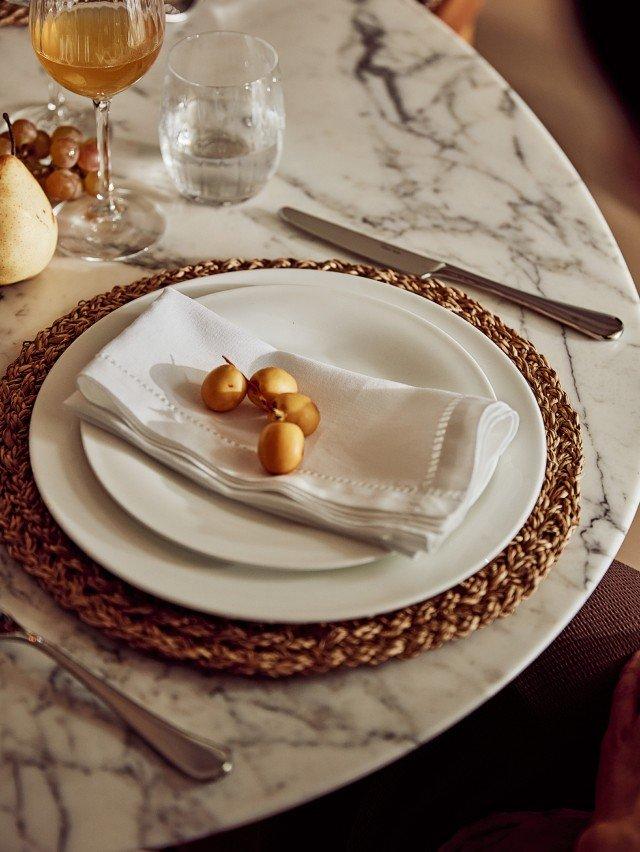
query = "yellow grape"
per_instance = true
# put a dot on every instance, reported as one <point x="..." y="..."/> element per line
<point x="24" y="132"/>
<point x="92" y="183"/>
<point x="281" y="447"/>
<point x="270" y="381"/>
<point x="62" y="185"/>
<point x="88" y="159"/>
<point x="64" y="153"/>
<point x="67" y="131"/>
<point x="41" y="145"/>
<point x="224" y="388"/>
<point x="296" y="408"/>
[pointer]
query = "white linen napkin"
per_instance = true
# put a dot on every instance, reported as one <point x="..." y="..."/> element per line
<point x="390" y="464"/>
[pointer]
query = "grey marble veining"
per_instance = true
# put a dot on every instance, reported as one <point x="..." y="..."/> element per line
<point x="396" y="126"/>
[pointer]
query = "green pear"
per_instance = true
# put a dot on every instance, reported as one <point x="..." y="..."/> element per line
<point x="28" y="227"/>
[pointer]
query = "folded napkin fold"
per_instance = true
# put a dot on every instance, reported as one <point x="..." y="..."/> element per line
<point x="390" y="464"/>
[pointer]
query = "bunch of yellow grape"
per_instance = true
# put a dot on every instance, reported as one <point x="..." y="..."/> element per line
<point x="293" y="415"/>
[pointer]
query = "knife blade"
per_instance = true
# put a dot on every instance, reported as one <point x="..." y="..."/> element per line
<point x="594" y="324"/>
<point x="360" y="244"/>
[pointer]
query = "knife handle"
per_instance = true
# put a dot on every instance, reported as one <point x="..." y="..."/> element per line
<point x="592" y="323"/>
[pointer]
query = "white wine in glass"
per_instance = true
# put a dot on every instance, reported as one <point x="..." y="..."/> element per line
<point x="98" y="48"/>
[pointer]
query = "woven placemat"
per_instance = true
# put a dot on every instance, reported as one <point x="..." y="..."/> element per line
<point x="77" y="583"/>
<point x="11" y="14"/>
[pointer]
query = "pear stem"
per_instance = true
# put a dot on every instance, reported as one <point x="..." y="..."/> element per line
<point x="5" y="115"/>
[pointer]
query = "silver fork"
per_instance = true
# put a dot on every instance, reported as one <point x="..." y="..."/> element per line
<point x="197" y="757"/>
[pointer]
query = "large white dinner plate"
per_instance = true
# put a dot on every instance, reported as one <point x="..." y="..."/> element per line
<point x="337" y="327"/>
<point x="109" y="535"/>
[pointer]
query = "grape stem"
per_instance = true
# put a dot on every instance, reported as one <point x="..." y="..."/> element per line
<point x="255" y="387"/>
<point x="5" y="115"/>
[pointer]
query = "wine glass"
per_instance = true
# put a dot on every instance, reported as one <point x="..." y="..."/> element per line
<point x="98" y="48"/>
<point x="56" y="112"/>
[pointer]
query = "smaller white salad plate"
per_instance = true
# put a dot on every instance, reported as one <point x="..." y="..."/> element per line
<point x="354" y="332"/>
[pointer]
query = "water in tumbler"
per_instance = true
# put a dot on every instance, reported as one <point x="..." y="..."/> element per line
<point x="223" y="117"/>
<point x="221" y="163"/>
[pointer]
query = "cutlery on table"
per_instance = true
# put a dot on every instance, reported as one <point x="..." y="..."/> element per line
<point x="197" y="757"/>
<point x="592" y="323"/>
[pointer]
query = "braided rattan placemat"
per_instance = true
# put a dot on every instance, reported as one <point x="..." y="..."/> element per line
<point x="11" y="14"/>
<point x="38" y="544"/>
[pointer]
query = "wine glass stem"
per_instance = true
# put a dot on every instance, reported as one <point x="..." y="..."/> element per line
<point x="56" y="98"/>
<point x="105" y="194"/>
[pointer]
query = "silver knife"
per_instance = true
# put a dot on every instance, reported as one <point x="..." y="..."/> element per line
<point x="592" y="323"/>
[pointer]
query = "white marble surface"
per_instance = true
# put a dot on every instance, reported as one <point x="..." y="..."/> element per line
<point x="394" y="125"/>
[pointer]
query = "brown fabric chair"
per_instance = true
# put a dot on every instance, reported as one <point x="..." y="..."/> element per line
<point x="534" y="747"/>
<point x="576" y="674"/>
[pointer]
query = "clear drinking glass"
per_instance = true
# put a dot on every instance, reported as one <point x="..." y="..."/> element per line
<point x="98" y="48"/>
<point x="222" y="118"/>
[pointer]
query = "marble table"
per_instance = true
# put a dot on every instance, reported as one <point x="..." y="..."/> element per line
<point x="396" y="126"/>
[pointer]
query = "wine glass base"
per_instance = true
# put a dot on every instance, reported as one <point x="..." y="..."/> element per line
<point x="48" y="119"/>
<point x="84" y="232"/>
